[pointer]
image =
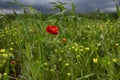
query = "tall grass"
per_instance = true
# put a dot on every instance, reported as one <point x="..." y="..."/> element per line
<point x="117" y="7"/>
<point x="27" y="52"/>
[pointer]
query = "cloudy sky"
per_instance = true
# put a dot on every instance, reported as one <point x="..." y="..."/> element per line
<point x="82" y="6"/>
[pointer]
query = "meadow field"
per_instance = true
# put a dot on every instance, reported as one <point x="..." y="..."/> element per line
<point x="85" y="47"/>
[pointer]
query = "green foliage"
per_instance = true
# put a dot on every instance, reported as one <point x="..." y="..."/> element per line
<point x="59" y="5"/>
<point x="117" y="8"/>
<point x="91" y="50"/>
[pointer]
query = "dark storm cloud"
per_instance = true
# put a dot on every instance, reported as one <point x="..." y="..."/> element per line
<point x="7" y="5"/>
<point x="44" y="6"/>
<point x="92" y="5"/>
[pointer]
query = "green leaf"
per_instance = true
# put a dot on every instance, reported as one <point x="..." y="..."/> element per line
<point x="86" y="76"/>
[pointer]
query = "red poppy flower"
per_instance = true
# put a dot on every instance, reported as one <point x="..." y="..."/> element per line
<point x="52" y="30"/>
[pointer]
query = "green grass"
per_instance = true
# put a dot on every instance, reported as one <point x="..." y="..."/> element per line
<point x="91" y="50"/>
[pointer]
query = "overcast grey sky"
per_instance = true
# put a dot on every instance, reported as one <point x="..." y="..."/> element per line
<point x="82" y="6"/>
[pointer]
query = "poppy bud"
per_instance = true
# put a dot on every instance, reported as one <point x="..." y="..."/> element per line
<point x="12" y="61"/>
<point x="64" y="40"/>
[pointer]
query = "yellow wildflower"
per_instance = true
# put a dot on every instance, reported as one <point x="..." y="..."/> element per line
<point x="99" y="44"/>
<point x="87" y="48"/>
<point x="11" y="49"/>
<point x="2" y="50"/>
<point x="66" y="64"/>
<point x="95" y="60"/>
<point x="117" y="44"/>
<point x="60" y="59"/>
<point x="115" y="60"/>
<point x="81" y="46"/>
<point x="5" y="55"/>
<point x="77" y="56"/>
<point x="73" y="47"/>
<point x="88" y="26"/>
<point x="12" y="43"/>
<point x="5" y="74"/>
<point x="75" y="44"/>
<point x="68" y="74"/>
<point x="108" y="62"/>
<point x="81" y="50"/>
<point x="52" y="70"/>
<point x="76" y="49"/>
<point x="45" y="64"/>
